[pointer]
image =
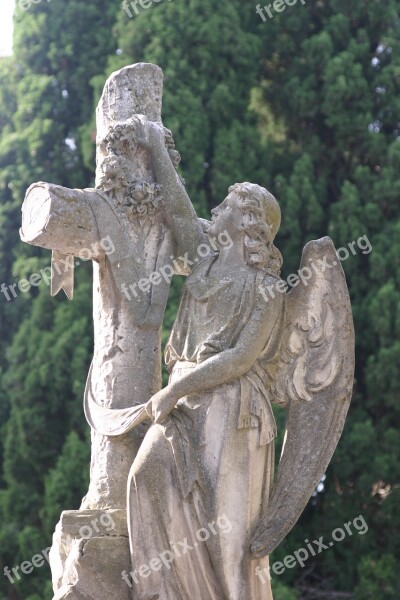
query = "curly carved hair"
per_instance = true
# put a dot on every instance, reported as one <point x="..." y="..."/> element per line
<point x="261" y="221"/>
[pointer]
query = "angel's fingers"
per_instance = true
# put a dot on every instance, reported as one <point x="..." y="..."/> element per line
<point x="159" y="417"/>
<point x="149" y="409"/>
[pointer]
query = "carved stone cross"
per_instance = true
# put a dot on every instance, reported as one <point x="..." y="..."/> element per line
<point x="120" y="227"/>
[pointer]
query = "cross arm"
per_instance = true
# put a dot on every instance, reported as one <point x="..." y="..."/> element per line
<point x="60" y="219"/>
<point x="63" y="221"/>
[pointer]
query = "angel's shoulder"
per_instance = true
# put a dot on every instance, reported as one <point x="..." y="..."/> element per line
<point x="271" y="288"/>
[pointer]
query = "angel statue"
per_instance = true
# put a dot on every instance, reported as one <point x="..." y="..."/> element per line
<point x="204" y="511"/>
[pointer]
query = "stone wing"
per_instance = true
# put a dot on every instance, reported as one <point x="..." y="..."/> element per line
<point x="315" y="378"/>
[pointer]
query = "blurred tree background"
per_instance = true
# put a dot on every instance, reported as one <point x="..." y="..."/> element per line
<point x="307" y="104"/>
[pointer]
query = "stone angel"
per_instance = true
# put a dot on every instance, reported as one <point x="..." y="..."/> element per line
<point x="208" y="457"/>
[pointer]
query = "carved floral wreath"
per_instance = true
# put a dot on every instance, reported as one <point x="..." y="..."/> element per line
<point x="143" y="198"/>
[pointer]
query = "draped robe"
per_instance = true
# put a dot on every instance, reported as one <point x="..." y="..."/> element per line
<point x="201" y="479"/>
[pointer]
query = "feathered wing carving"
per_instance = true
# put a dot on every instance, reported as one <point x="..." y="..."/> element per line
<point x="315" y="376"/>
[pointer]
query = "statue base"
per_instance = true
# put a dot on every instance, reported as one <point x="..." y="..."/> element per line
<point x="89" y="552"/>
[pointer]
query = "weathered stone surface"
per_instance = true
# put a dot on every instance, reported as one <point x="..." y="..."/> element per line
<point x="90" y="550"/>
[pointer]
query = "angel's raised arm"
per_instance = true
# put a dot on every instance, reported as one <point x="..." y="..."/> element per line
<point x="179" y="212"/>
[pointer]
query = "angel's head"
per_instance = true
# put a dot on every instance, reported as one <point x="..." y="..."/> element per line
<point x="251" y="212"/>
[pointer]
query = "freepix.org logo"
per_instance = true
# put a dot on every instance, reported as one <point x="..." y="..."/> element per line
<point x="300" y="556"/>
<point x="305" y="274"/>
<point x="177" y="265"/>
<point x="277" y="6"/>
<point x="63" y="265"/>
<point x="38" y="560"/>
<point x="133" y="6"/>
<point x="27" y="4"/>
<point x="177" y="549"/>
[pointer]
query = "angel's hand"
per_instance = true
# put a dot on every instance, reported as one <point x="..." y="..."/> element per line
<point x="140" y="130"/>
<point x="161" y="404"/>
<point x="148" y="134"/>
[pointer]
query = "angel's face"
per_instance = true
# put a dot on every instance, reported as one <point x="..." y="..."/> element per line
<point x="227" y="217"/>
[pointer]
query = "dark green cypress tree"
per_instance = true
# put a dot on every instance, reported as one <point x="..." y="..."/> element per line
<point x="331" y="76"/>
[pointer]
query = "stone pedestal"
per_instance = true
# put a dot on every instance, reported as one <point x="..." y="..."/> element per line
<point x="89" y="552"/>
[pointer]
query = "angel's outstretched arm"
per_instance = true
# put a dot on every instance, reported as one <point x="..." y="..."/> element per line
<point x="179" y="211"/>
